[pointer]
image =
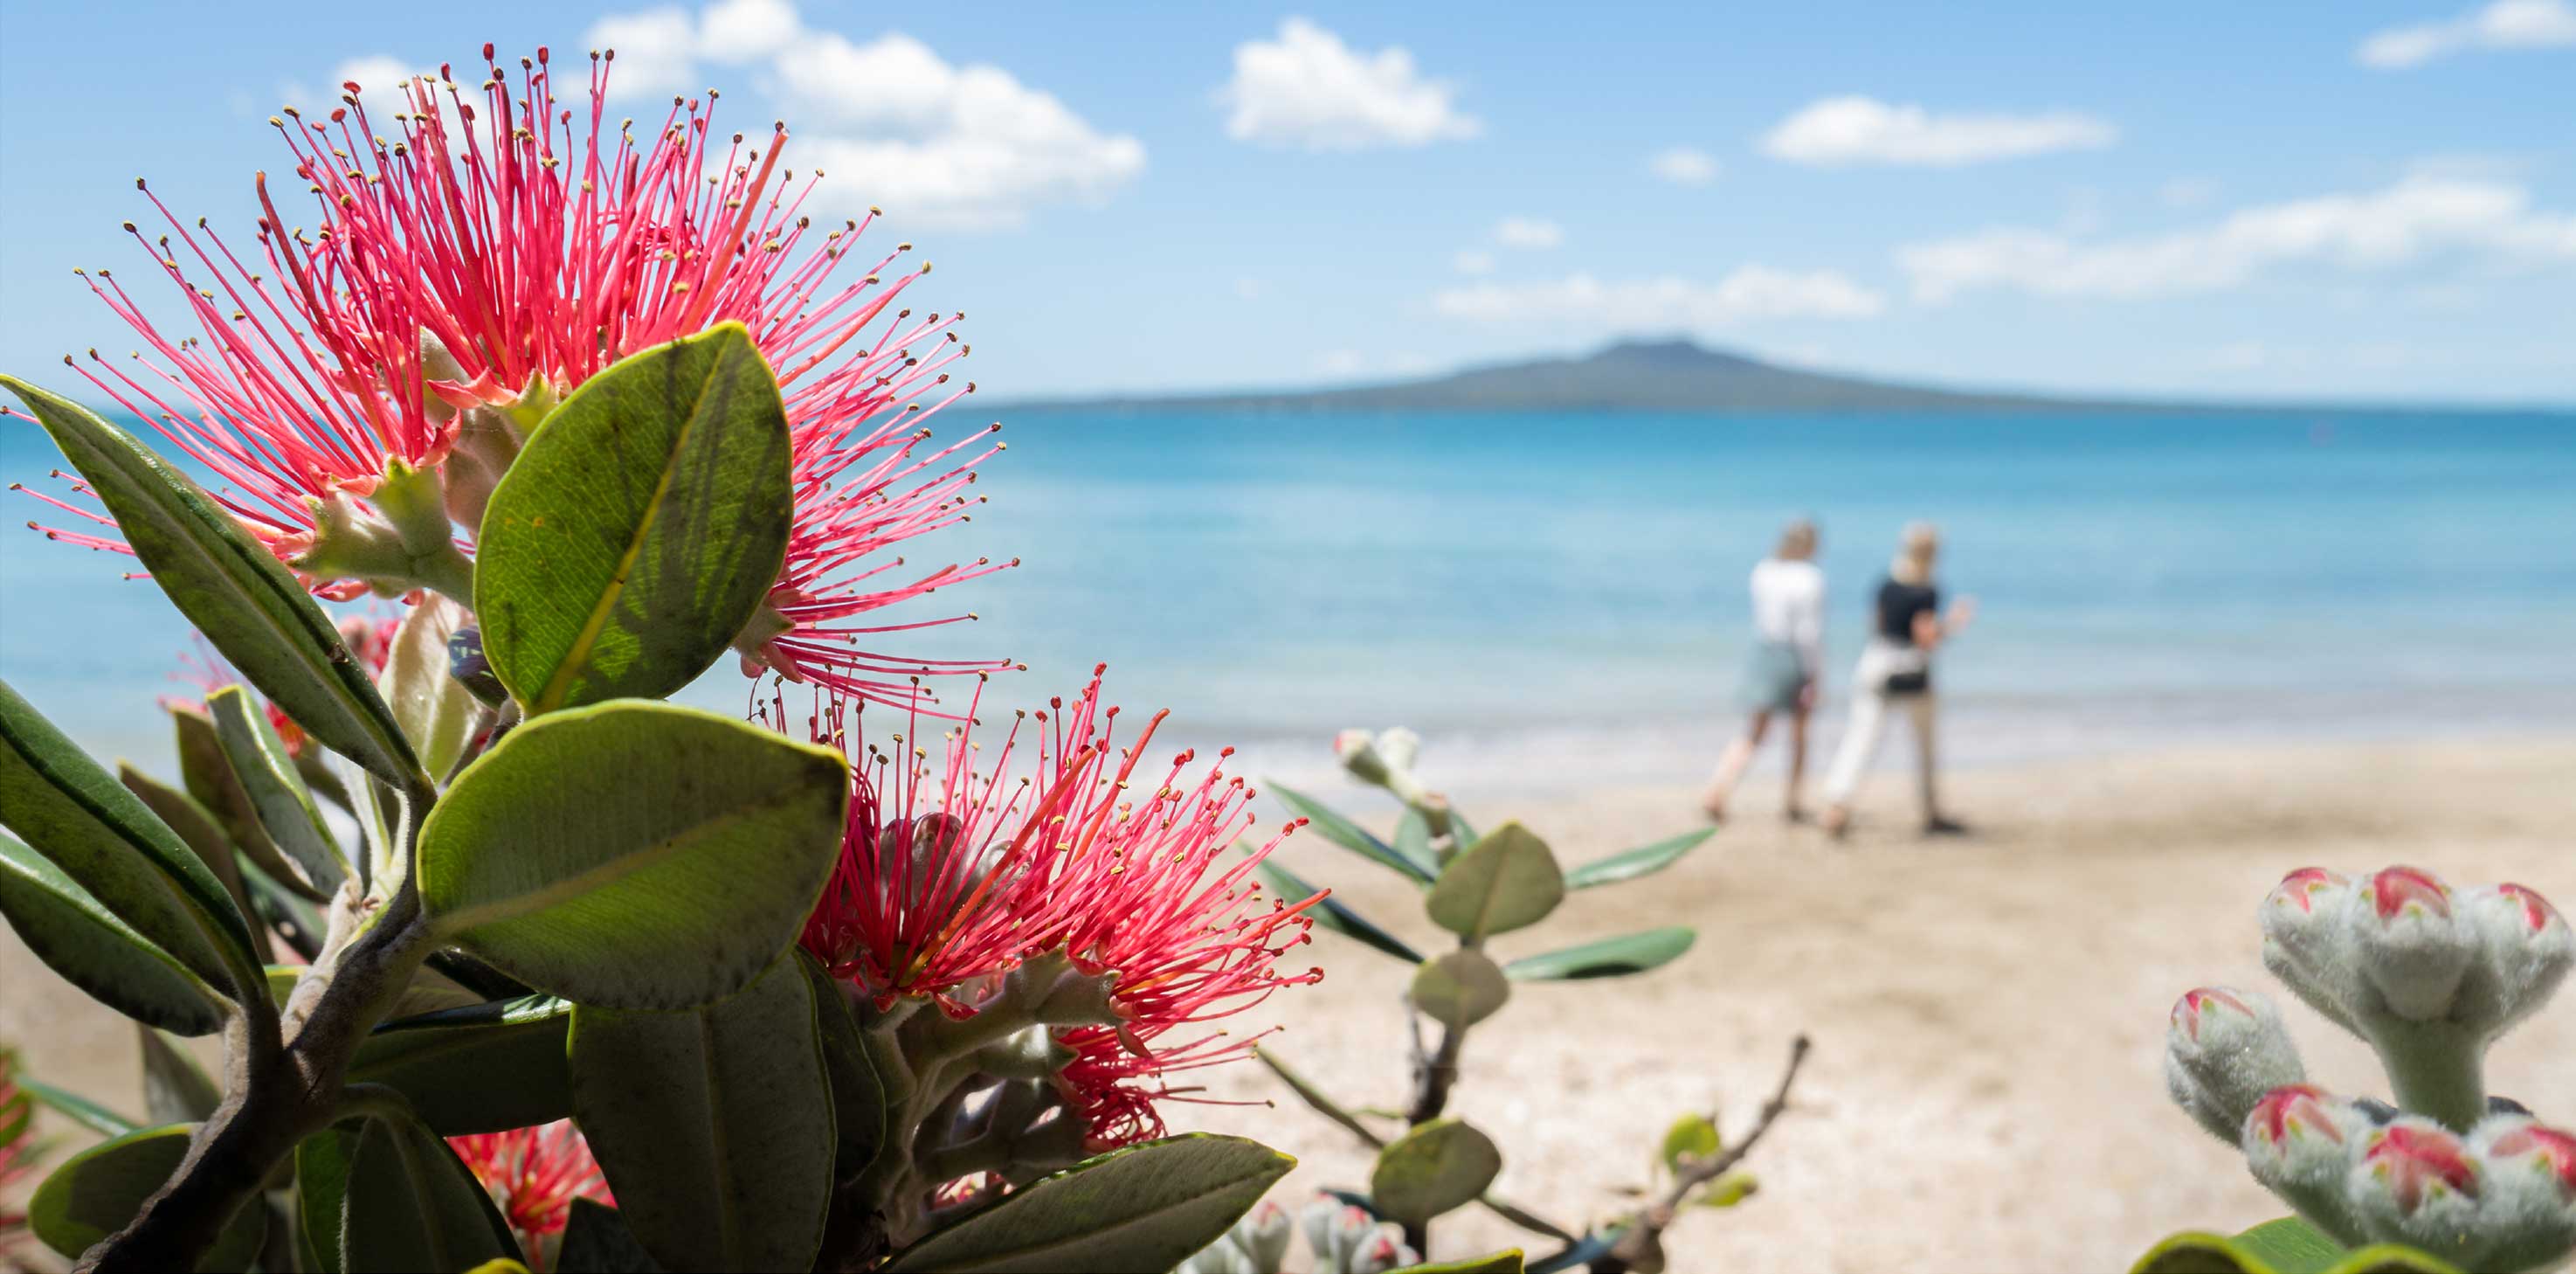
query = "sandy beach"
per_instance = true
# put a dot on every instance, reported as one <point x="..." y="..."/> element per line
<point x="1987" y="1013"/>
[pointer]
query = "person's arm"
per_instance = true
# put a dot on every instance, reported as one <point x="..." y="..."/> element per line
<point x="1808" y="632"/>
<point x="1930" y="629"/>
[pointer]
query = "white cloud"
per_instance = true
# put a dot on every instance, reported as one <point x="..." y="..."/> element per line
<point x="1864" y="130"/>
<point x="1684" y="166"/>
<point x="1308" y="89"/>
<point x="890" y="121"/>
<point x="1528" y="232"/>
<point x="2504" y="24"/>
<point x="1750" y="292"/>
<point x="1473" y="261"/>
<point x="2407" y="222"/>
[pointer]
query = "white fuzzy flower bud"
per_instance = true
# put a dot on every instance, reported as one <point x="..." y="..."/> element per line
<point x="2224" y="1049"/>
<point x="2305" y="944"/>
<point x="2413" y="948"/>
<point x="2414" y="1182"/>
<point x="2299" y="1141"/>
<point x="2529" y="1210"/>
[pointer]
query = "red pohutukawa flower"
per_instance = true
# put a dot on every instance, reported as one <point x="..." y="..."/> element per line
<point x="537" y="246"/>
<point x="534" y="1174"/>
<point x="957" y="872"/>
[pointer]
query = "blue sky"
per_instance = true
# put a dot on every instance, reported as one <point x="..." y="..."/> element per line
<point x="2366" y="200"/>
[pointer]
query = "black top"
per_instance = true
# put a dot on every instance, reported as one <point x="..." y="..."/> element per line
<point x="1898" y="604"/>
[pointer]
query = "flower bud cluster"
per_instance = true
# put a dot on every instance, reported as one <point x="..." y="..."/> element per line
<point x="2500" y="1196"/>
<point x="2429" y="975"/>
<point x="1344" y="1238"/>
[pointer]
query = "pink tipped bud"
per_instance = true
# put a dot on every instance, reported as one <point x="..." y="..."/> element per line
<point x="1263" y="1235"/>
<point x="2304" y="944"/>
<point x="2526" y="948"/>
<point x="1383" y="1250"/>
<point x="2298" y="1141"/>
<point x="1359" y="754"/>
<point x="2225" y="1049"/>
<point x="2529" y="1207"/>
<point x="2412" y="1181"/>
<point x="2412" y="946"/>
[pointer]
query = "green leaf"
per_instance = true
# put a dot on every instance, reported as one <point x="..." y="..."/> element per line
<point x="267" y="774"/>
<point x="78" y="938"/>
<point x="410" y="1204"/>
<point x="1146" y="1207"/>
<point x="1507" y="1261"/>
<point x="197" y="827"/>
<point x="1347" y="834"/>
<point x="1433" y="1168"/>
<point x="80" y="1110"/>
<point x="1413" y="837"/>
<point x="175" y="1089"/>
<point x="1460" y="989"/>
<point x="1609" y="958"/>
<point x="641" y="528"/>
<point x="1331" y="914"/>
<point x="436" y="711"/>
<point x="485" y="1068"/>
<point x="1690" y="1137"/>
<point x="1508" y="880"/>
<point x="1644" y="860"/>
<point x="714" y="1125"/>
<point x="208" y="773"/>
<point x="633" y="855"/>
<point x="96" y="1192"/>
<point x="596" y="1240"/>
<point x="107" y="842"/>
<point x="2285" y="1246"/>
<point x="858" y="1095"/>
<point x="1727" y="1191"/>
<point x="322" y="1194"/>
<point x="233" y="589"/>
<point x="1461" y="834"/>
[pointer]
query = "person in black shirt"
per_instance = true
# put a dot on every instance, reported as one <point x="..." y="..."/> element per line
<point x="1896" y="672"/>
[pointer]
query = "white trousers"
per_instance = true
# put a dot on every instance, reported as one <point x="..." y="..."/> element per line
<point x="1861" y="737"/>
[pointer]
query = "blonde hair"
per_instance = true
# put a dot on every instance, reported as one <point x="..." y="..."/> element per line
<point x="1916" y="546"/>
<point x="1797" y="539"/>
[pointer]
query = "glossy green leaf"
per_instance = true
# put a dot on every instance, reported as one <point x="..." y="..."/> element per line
<point x="1690" y="1137"/>
<point x="207" y="770"/>
<point x="2285" y="1246"/>
<point x="1609" y="958"/>
<point x="175" y="1089"/>
<point x="597" y="1240"/>
<point x="1507" y="1261"/>
<point x="1728" y="1190"/>
<point x="633" y="855"/>
<point x="230" y="586"/>
<point x="1508" y="880"/>
<point x="322" y="1194"/>
<point x="713" y="1125"/>
<point x="1317" y="1099"/>
<point x="204" y="836"/>
<point x="106" y="841"/>
<point x="858" y="1095"/>
<point x="276" y="790"/>
<point x="640" y="529"/>
<point x="78" y="938"/>
<point x="96" y="1192"/>
<point x="409" y="1203"/>
<point x="288" y="914"/>
<point x="1324" y="822"/>
<point x="1146" y="1207"/>
<point x="436" y="712"/>
<point x="80" y="1110"/>
<point x="1413" y="837"/>
<point x="1433" y="1168"/>
<point x="1645" y="860"/>
<point x="1461" y="833"/>
<point x="1332" y="914"/>
<point x="1459" y="989"/>
<point x="484" y="1068"/>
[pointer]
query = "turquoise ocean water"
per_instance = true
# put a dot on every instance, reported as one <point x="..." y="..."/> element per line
<point x="1556" y="599"/>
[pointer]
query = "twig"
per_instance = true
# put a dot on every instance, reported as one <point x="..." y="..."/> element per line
<point x="1700" y="1173"/>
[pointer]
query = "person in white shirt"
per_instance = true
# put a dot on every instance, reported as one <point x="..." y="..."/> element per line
<point x="1780" y="677"/>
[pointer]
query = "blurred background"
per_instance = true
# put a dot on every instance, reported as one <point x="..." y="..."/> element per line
<point x="1451" y="366"/>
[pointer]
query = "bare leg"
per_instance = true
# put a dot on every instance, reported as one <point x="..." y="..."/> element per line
<point x="1924" y="709"/>
<point x="1795" y="808"/>
<point x="1731" y="764"/>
